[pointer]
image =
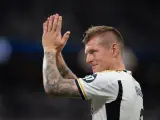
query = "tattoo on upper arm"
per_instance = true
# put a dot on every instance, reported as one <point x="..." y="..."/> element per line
<point x="54" y="83"/>
<point x="64" y="88"/>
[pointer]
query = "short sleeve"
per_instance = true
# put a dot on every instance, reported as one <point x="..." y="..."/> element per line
<point x="98" y="85"/>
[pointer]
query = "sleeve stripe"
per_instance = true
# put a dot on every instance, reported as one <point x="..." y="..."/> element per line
<point x="79" y="89"/>
<point x="82" y="88"/>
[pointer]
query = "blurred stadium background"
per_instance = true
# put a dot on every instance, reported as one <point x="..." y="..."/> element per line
<point x="22" y="95"/>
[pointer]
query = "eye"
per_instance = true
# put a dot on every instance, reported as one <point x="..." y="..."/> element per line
<point x="92" y="51"/>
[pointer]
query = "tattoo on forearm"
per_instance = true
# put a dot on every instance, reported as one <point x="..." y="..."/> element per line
<point x="66" y="72"/>
<point x="53" y="81"/>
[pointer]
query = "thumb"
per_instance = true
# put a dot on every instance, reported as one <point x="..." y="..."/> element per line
<point x="66" y="36"/>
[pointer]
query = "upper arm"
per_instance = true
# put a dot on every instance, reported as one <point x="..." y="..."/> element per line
<point x="99" y="85"/>
<point x="63" y="87"/>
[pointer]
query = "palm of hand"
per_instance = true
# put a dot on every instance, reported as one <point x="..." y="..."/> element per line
<point x="52" y="41"/>
<point x="52" y="38"/>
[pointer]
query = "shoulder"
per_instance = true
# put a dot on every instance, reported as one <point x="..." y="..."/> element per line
<point x="112" y="74"/>
<point x="106" y="77"/>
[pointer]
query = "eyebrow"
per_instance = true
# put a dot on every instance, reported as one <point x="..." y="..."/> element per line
<point x="90" y="50"/>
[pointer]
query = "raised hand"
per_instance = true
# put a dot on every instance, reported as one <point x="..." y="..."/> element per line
<point x="52" y="39"/>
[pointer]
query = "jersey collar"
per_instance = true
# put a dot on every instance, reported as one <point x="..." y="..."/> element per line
<point x="127" y="71"/>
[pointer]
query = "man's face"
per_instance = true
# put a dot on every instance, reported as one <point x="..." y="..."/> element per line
<point x="98" y="56"/>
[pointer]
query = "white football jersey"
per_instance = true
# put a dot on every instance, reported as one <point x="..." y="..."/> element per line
<point x="114" y="95"/>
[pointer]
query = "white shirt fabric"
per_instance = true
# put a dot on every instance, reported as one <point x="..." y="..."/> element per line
<point x="114" y="95"/>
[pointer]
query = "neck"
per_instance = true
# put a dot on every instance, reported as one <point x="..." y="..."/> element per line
<point x="117" y="65"/>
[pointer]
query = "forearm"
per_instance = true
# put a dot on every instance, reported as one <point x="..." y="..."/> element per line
<point x="63" y="68"/>
<point x="51" y="75"/>
<point x="53" y="82"/>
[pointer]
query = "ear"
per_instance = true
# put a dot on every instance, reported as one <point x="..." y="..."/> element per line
<point x="115" y="49"/>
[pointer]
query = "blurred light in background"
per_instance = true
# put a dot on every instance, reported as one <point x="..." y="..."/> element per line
<point x="5" y="50"/>
<point x="129" y="59"/>
<point x="82" y="62"/>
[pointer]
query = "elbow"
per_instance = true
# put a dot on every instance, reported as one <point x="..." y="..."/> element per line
<point x="46" y="86"/>
<point x="50" y="89"/>
<point x="47" y="89"/>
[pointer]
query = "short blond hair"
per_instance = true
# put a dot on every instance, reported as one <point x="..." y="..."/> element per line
<point x="97" y="30"/>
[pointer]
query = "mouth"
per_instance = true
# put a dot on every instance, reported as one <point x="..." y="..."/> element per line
<point x="93" y="66"/>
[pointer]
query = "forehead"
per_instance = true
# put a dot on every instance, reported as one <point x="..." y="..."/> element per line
<point x="100" y="40"/>
<point x="92" y="44"/>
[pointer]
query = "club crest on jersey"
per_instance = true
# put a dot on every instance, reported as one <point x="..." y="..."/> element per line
<point x="89" y="78"/>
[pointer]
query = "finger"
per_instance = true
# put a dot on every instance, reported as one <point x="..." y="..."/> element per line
<point x="53" y="17"/>
<point x="54" y="26"/>
<point x="65" y="37"/>
<point x="50" y="23"/>
<point x="45" y="24"/>
<point x="59" y="24"/>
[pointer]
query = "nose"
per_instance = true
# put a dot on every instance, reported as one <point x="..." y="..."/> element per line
<point x="89" y="58"/>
